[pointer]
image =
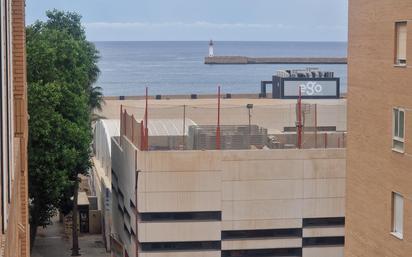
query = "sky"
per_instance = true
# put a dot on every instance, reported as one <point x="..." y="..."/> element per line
<point x="221" y="20"/>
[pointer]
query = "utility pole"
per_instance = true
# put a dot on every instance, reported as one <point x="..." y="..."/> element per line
<point x="75" y="214"/>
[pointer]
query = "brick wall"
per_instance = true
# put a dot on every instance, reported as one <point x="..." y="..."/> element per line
<point x="17" y="235"/>
<point x="374" y="171"/>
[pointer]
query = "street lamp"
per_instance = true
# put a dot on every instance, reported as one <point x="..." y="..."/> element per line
<point x="250" y="107"/>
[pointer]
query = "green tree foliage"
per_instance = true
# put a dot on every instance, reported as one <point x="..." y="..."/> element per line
<point x="55" y="54"/>
<point x="62" y="68"/>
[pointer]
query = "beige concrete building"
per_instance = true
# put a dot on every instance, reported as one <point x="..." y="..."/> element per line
<point x="101" y="175"/>
<point x="14" y="228"/>
<point x="263" y="202"/>
<point x="379" y="180"/>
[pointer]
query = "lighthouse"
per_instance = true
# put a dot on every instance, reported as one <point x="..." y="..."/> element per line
<point x="211" y="54"/>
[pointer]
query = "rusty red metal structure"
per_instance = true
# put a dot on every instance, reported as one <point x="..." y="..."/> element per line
<point x="124" y="119"/>
<point x="145" y="129"/>
<point x="316" y="125"/>
<point x="132" y="128"/>
<point x="142" y="136"/>
<point x="218" y="120"/>
<point x="121" y="118"/>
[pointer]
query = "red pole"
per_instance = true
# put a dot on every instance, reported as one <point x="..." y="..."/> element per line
<point x="218" y="120"/>
<point x="316" y="125"/>
<point x="146" y="130"/>
<point x="132" y="128"/>
<point x="121" y="119"/>
<point x="142" y="136"/>
<point x="184" y="127"/>
<point x="121" y="123"/>
<point x="300" y="119"/>
<point x="125" y="122"/>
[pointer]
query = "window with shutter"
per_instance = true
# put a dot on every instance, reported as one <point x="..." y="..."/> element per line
<point x="401" y="42"/>
<point x="397" y="215"/>
<point x="398" y="137"/>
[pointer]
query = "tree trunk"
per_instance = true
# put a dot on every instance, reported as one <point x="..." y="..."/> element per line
<point x="33" y="232"/>
<point x="34" y="224"/>
<point x="75" y="235"/>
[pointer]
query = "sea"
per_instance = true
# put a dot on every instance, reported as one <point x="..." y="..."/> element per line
<point x="175" y="68"/>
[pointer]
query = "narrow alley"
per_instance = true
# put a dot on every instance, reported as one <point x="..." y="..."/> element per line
<point x="51" y="242"/>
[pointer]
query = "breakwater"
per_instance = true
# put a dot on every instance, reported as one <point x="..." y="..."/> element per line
<point x="274" y="60"/>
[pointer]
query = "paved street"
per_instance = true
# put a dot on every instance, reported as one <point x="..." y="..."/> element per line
<point x="50" y="242"/>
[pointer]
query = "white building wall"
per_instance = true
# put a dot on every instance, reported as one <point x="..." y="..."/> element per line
<point x="252" y="189"/>
<point x="123" y="186"/>
<point x="104" y="131"/>
<point x="101" y="172"/>
<point x="282" y="184"/>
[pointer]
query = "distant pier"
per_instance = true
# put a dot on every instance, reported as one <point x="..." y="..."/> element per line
<point x="274" y="60"/>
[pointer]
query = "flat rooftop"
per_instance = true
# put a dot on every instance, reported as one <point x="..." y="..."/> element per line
<point x="243" y="123"/>
<point x="268" y="113"/>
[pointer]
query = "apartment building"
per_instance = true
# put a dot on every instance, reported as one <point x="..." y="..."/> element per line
<point x="210" y="203"/>
<point x="379" y="178"/>
<point x="14" y="228"/>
